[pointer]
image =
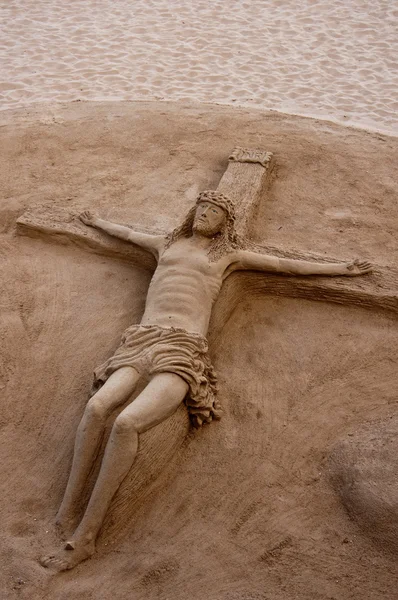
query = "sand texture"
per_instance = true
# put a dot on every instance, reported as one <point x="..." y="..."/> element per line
<point x="248" y="508"/>
<point x="363" y="469"/>
<point x="335" y="60"/>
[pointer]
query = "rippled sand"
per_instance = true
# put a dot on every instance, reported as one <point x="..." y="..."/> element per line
<point x="314" y="57"/>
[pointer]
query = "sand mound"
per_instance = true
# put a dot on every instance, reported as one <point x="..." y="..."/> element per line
<point x="245" y="509"/>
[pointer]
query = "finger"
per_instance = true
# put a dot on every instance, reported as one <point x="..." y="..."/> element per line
<point x="361" y="263"/>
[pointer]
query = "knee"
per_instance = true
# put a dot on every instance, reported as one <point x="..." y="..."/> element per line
<point x="125" y="424"/>
<point x="95" y="410"/>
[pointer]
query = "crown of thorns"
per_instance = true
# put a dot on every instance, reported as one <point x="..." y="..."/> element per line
<point x="218" y="199"/>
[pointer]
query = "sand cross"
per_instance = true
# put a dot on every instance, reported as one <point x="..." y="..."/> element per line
<point x="245" y="182"/>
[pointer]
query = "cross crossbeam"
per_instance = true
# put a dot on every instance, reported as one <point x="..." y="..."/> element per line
<point x="245" y="180"/>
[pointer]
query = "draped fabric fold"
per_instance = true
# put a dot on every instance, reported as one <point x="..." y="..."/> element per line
<point x="151" y="349"/>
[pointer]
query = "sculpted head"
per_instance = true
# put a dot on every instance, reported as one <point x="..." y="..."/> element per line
<point x="209" y="219"/>
<point x="212" y="216"/>
<point x="214" y="211"/>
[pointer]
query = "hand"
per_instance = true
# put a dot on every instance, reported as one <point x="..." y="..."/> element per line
<point x="358" y="267"/>
<point x="88" y="218"/>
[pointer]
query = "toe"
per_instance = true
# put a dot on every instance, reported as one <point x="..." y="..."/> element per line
<point x="54" y="562"/>
<point x="46" y="560"/>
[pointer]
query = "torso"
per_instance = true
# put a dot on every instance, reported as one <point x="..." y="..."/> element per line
<point x="184" y="288"/>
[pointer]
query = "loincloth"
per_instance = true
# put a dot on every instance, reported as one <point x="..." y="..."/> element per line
<point x="151" y="349"/>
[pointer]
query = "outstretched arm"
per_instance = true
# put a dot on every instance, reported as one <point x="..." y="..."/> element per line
<point x="245" y="260"/>
<point x="152" y="243"/>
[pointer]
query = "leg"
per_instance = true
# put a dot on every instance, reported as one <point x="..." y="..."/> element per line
<point x="158" y="401"/>
<point x="116" y="390"/>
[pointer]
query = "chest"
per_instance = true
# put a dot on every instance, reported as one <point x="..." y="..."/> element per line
<point x="184" y="257"/>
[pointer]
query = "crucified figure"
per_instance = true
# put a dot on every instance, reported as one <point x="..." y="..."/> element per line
<point x="169" y="347"/>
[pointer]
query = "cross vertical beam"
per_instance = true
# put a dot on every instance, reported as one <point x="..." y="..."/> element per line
<point x="246" y="177"/>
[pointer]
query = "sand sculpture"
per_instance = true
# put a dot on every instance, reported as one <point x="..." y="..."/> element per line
<point x="169" y="345"/>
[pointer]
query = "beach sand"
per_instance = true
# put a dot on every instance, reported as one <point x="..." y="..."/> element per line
<point x="334" y="60"/>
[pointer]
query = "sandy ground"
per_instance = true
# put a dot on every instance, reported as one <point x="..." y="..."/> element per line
<point x="245" y="510"/>
<point x="335" y="60"/>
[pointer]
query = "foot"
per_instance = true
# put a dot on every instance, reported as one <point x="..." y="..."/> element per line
<point x="69" y="556"/>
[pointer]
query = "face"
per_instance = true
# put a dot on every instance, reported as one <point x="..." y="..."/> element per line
<point x="209" y="219"/>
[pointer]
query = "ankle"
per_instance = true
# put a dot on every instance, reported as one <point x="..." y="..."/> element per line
<point x="85" y="538"/>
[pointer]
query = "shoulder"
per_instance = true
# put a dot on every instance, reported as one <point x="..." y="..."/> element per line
<point x="155" y="244"/>
<point x="230" y="262"/>
<point x="159" y="241"/>
<point x="159" y="244"/>
<point x="236" y="258"/>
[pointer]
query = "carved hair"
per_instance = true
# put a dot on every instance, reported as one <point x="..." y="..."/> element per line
<point x="223" y="242"/>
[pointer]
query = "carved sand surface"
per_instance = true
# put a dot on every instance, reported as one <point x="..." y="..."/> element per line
<point x="315" y="57"/>
<point x="284" y="498"/>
